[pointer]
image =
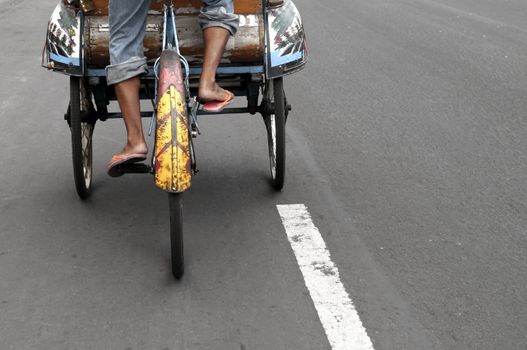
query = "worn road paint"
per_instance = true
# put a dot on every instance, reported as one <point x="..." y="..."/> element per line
<point x="335" y="309"/>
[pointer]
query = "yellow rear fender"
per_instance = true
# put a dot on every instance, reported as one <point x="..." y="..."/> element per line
<point x="172" y="162"/>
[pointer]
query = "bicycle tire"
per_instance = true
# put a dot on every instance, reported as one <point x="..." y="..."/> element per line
<point x="81" y="139"/>
<point x="175" y="205"/>
<point x="275" y="124"/>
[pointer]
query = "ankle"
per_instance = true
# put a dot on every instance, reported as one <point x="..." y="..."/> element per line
<point x="137" y="142"/>
<point x="206" y="84"/>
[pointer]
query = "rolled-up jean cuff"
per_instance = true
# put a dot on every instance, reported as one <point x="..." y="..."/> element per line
<point x="232" y="30"/>
<point x="219" y="13"/>
<point x="116" y="73"/>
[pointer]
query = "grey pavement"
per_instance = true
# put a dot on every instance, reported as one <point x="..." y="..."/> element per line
<point x="407" y="142"/>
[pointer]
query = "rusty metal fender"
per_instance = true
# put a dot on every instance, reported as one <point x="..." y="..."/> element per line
<point x="172" y="161"/>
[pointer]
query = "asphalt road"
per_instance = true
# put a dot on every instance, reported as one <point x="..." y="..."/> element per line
<point x="407" y="142"/>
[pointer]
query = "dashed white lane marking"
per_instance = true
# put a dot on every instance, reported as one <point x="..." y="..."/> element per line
<point x="335" y="309"/>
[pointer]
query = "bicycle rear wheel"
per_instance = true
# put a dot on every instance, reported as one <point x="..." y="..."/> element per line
<point x="172" y="166"/>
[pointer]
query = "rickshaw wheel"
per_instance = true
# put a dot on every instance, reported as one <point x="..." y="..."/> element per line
<point x="275" y="125"/>
<point x="81" y="136"/>
<point x="175" y="205"/>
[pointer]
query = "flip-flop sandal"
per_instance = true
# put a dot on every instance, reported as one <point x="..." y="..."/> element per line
<point x="218" y="106"/>
<point x="117" y="160"/>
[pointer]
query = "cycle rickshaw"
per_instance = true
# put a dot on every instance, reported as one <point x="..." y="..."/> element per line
<point x="270" y="44"/>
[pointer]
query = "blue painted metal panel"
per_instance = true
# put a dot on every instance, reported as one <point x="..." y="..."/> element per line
<point x="63" y="59"/>
<point x="194" y="71"/>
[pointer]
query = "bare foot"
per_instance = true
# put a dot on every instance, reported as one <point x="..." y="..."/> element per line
<point x="213" y="92"/>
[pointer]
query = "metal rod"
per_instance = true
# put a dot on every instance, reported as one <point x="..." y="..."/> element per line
<point x="174" y="29"/>
<point x="165" y="11"/>
<point x="117" y="115"/>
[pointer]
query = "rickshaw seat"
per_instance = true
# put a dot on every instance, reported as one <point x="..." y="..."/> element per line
<point x="245" y="48"/>
<point x="243" y="7"/>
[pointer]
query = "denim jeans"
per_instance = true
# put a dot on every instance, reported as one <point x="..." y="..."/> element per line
<point x="127" y="31"/>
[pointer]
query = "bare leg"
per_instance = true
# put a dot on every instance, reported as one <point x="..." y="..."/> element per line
<point x="128" y="96"/>
<point x="215" y="39"/>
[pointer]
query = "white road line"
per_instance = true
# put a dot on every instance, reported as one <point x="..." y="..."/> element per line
<point x="335" y="309"/>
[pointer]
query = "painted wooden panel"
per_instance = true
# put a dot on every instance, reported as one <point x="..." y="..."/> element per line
<point x="246" y="47"/>
<point x="244" y="7"/>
